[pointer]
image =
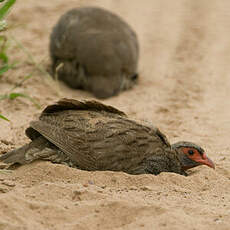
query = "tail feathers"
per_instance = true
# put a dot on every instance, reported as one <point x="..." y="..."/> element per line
<point x="40" y="148"/>
<point x="36" y="149"/>
<point x="16" y="156"/>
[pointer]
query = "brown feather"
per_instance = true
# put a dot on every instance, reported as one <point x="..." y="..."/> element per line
<point x="94" y="136"/>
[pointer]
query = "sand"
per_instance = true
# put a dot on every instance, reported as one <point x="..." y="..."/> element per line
<point x="184" y="89"/>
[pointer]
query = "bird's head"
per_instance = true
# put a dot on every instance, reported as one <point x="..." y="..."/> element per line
<point x="192" y="155"/>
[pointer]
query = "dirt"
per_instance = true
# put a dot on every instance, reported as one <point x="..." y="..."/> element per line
<point x="184" y="89"/>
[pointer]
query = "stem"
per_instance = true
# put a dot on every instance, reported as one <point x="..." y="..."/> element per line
<point x="38" y="66"/>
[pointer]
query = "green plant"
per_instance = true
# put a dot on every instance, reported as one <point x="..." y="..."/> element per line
<point x="6" y="8"/>
<point x="5" y="65"/>
<point x="4" y="118"/>
<point x="4" y="59"/>
<point x="12" y="95"/>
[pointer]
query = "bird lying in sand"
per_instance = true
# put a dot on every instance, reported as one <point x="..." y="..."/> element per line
<point x="93" y="49"/>
<point x="89" y="135"/>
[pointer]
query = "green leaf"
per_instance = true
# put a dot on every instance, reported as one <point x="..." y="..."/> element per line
<point x="5" y="68"/>
<point x="15" y="95"/>
<point x="4" y="118"/>
<point x="5" y="8"/>
<point x="4" y="57"/>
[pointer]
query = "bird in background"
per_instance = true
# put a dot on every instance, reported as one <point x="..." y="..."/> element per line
<point x="94" y="49"/>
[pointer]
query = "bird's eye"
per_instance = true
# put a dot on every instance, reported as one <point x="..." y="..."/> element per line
<point x="190" y="152"/>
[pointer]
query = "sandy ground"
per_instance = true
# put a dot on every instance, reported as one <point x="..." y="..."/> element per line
<point x="184" y="89"/>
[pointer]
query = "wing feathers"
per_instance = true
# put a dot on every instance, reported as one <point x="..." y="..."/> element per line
<point x="72" y="145"/>
<point x="71" y="104"/>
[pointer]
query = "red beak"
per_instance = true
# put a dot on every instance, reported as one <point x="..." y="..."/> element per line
<point x="204" y="160"/>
